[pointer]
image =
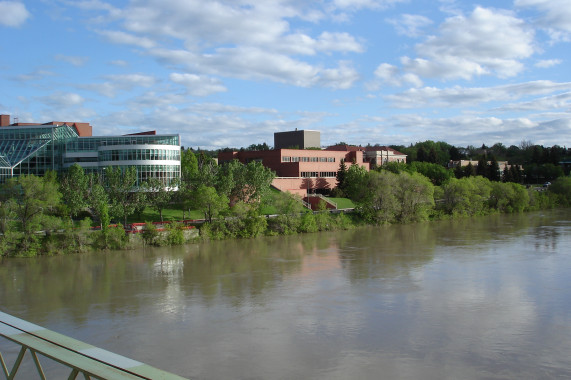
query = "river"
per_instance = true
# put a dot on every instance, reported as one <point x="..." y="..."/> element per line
<point x="480" y="298"/>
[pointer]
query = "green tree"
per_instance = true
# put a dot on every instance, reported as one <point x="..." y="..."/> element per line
<point x="74" y="188"/>
<point x="30" y="198"/>
<point x="121" y="186"/>
<point x="437" y="174"/>
<point x="415" y="194"/>
<point x="466" y="196"/>
<point x="378" y="201"/>
<point x="209" y="202"/>
<point x="493" y="170"/>
<point x="561" y="189"/>
<point x="508" y="197"/>
<point x="341" y="177"/>
<point x="244" y="183"/>
<point x="158" y="196"/>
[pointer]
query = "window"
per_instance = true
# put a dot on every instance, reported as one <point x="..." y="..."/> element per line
<point x="286" y="159"/>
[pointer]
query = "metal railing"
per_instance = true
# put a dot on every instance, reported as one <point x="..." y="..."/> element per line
<point x="81" y="358"/>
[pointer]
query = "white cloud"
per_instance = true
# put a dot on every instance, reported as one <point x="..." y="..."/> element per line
<point x="13" y="13"/>
<point x="73" y="60"/>
<point x="487" y="42"/>
<point x="393" y="76"/>
<point x="548" y="103"/>
<point x="124" y="82"/>
<point x="364" y="4"/>
<point x="123" y="38"/>
<point x="246" y="40"/>
<point x="458" y="96"/>
<point x="410" y="25"/>
<point x="545" y="63"/>
<point x="556" y="18"/>
<point x="58" y="100"/>
<point x="198" y="85"/>
<point x="35" y="76"/>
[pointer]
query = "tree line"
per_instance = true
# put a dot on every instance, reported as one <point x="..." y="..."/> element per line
<point x="233" y="199"/>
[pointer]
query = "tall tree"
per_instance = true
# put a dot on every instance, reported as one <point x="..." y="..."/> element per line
<point x="158" y="195"/>
<point x="31" y="198"/>
<point x="341" y="176"/>
<point x="211" y="203"/>
<point x="74" y="189"/>
<point x="121" y="185"/>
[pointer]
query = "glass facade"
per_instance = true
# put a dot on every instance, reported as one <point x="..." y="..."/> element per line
<point x="37" y="149"/>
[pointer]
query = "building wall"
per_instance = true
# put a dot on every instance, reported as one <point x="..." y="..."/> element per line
<point x="294" y="167"/>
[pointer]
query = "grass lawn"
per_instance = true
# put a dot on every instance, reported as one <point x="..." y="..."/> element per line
<point x="343" y="202"/>
<point x="150" y="215"/>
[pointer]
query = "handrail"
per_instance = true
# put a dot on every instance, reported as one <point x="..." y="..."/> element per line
<point x="81" y="358"/>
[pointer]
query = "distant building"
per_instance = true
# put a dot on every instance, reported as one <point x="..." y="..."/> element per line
<point x="375" y="155"/>
<point x="32" y="148"/>
<point x="305" y="171"/>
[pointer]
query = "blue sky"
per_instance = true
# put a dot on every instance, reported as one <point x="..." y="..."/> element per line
<point x="233" y="72"/>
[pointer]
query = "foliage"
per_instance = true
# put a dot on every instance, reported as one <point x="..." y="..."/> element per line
<point x="415" y="194"/>
<point x="120" y="185"/>
<point x="561" y="189"/>
<point x="158" y="196"/>
<point x="466" y="196"/>
<point x="244" y="183"/>
<point x="211" y="203"/>
<point x="174" y="234"/>
<point x="341" y="177"/>
<point x="508" y="197"/>
<point x="150" y="234"/>
<point x="74" y="187"/>
<point x="437" y="174"/>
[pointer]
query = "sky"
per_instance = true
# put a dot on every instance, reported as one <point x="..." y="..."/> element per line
<point x="231" y="73"/>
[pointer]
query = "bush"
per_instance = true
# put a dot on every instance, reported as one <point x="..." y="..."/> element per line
<point x="150" y="234"/>
<point x="561" y="189"/>
<point x="174" y="234"/>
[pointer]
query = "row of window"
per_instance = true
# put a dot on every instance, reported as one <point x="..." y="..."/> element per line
<point x="92" y="143"/>
<point x="319" y="174"/>
<point x="307" y="159"/>
<point x="139" y="154"/>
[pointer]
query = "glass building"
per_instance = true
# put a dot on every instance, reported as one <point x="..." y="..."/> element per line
<point x="37" y="148"/>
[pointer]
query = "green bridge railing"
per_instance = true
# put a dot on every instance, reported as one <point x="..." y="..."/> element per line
<point x="81" y="358"/>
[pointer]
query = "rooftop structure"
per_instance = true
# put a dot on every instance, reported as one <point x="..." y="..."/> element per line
<point x="297" y="139"/>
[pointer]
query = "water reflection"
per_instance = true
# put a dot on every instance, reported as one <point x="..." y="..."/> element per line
<point x="474" y="298"/>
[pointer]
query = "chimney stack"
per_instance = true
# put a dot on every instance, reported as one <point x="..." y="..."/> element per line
<point x="4" y="120"/>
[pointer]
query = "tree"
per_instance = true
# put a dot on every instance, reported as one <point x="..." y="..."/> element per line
<point x="466" y="196"/>
<point x="341" y="176"/>
<point x="378" y="202"/>
<point x="158" y="195"/>
<point x="209" y="202"/>
<point x="120" y="185"/>
<point x="493" y="170"/>
<point x="98" y="200"/>
<point x="244" y="183"/>
<point x="416" y="196"/>
<point x="561" y="188"/>
<point x="74" y="189"/>
<point x="482" y="168"/>
<point x="30" y="198"/>
<point x="207" y="170"/>
<point x="508" y="197"/>
<point x="421" y="154"/>
<point x="437" y="174"/>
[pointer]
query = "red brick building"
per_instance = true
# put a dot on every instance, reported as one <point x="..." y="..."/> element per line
<point x="300" y="171"/>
